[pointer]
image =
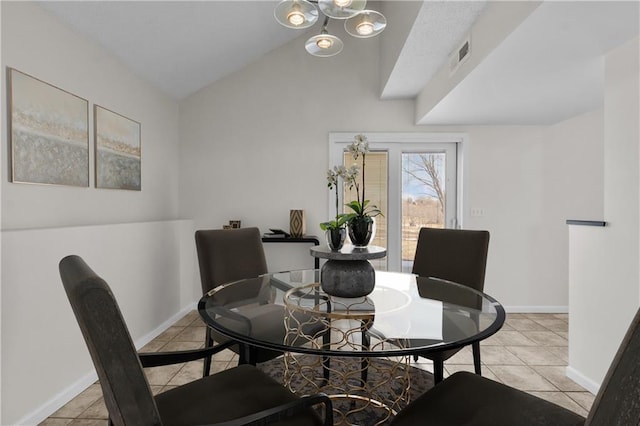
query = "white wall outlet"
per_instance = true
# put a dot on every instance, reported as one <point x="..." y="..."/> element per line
<point x="477" y="212"/>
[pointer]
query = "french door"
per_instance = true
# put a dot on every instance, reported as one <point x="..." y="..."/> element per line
<point x="412" y="179"/>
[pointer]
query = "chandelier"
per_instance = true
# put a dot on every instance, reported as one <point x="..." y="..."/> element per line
<point x="358" y="21"/>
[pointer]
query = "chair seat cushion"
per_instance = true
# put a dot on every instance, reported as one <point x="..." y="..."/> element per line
<point x="239" y="391"/>
<point x="470" y="399"/>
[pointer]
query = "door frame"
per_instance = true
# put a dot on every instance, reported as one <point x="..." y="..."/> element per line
<point x="338" y="141"/>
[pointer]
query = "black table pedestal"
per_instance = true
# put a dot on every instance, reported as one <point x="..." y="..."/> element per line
<point x="348" y="278"/>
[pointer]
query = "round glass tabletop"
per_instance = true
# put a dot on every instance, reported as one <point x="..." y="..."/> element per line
<point x="405" y="314"/>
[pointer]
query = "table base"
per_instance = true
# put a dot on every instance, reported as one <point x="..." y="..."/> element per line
<point x="370" y="388"/>
<point x="348" y="278"/>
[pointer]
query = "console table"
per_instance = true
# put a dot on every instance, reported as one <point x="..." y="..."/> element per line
<point x="304" y="239"/>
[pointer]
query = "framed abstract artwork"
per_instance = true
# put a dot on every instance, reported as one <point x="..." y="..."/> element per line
<point x="117" y="150"/>
<point x="49" y="133"/>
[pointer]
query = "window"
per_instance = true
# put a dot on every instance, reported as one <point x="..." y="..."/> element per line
<point x="412" y="178"/>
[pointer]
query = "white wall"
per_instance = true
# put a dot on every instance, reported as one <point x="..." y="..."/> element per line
<point x="130" y="237"/>
<point x="529" y="180"/>
<point x="256" y="144"/>
<point x="604" y="278"/>
<point x="37" y="44"/>
<point x="45" y="360"/>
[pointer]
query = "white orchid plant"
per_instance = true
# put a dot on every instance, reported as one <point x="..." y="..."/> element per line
<point x="333" y="178"/>
<point x="361" y="208"/>
<point x="358" y="148"/>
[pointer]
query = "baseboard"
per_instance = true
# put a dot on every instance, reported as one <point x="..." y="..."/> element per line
<point x="55" y="403"/>
<point x="582" y="380"/>
<point x="58" y="401"/>
<point x="162" y="327"/>
<point x="536" y="309"/>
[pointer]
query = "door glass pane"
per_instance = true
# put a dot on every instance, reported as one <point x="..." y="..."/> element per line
<point x="423" y="199"/>
<point x="376" y="186"/>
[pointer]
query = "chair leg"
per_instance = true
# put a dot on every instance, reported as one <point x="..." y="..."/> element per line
<point x="247" y="355"/>
<point x="208" y="341"/>
<point x="326" y="361"/>
<point x="366" y="343"/>
<point x="415" y="358"/>
<point x="476" y="357"/>
<point x="438" y="371"/>
<point x="242" y="354"/>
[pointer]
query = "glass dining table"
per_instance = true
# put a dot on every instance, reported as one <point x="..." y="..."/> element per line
<point x="352" y="348"/>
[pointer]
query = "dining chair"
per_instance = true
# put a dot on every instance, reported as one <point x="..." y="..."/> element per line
<point x="457" y="255"/>
<point x="227" y="255"/>
<point x="240" y="395"/>
<point x="469" y="399"/>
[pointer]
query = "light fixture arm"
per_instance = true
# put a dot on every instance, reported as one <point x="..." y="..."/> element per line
<point x="324" y="24"/>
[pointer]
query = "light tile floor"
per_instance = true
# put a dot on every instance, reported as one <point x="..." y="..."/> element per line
<point x="529" y="353"/>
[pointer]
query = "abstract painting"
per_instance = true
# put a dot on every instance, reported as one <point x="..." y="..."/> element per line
<point x="118" y="153"/>
<point x="49" y="133"/>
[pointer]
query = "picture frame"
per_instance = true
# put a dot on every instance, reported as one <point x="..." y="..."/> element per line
<point x="117" y="150"/>
<point x="49" y="133"/>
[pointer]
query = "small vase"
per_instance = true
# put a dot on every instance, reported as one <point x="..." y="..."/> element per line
<point x="361" y="230"/>
<point x="335" y="238"/>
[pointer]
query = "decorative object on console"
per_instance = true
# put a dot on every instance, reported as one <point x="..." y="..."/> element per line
<point x="359" y="22"/>
<point x="297" y="225"/>
<point x="276" y="233"/>
<point x="118" y="153"/>
<point x="361" y="223"/>
<point x="235" y="224"/>
<point x="49" y="133"/>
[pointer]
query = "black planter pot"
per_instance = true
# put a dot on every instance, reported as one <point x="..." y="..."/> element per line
<point x="335" y="238"/>
<point x="361" y="229"/>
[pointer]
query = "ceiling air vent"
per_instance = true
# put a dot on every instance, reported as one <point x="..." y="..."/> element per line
<point x="460" y="55"/>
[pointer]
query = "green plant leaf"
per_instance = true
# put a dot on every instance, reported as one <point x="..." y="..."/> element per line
<point x="356" y="207"/>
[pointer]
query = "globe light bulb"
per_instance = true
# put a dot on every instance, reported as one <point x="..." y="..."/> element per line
<point x="365" y="24"/>
<point x="295" y="18"/>
<point x="324" y="43"/>
<point x="342" y="3"/>
<point x="364" y="28"/>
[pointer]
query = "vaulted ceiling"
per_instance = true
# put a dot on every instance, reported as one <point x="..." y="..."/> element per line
<point x="548" y="67"/>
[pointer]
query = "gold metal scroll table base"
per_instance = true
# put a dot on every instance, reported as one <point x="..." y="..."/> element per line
<point x="373" y="388"/>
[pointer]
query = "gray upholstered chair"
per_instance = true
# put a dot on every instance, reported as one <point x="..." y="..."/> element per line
<point x="227" y="255"/>
<point x="240" y="395"/>
<point x="469" y="399"/>
<point x="457" y="255"/>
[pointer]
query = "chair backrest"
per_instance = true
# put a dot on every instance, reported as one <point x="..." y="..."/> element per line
<point x="126" y="391"/>
<point x="226" y="255"/>
<point x="457" y="255"/>
<point x="618" y="400"/>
